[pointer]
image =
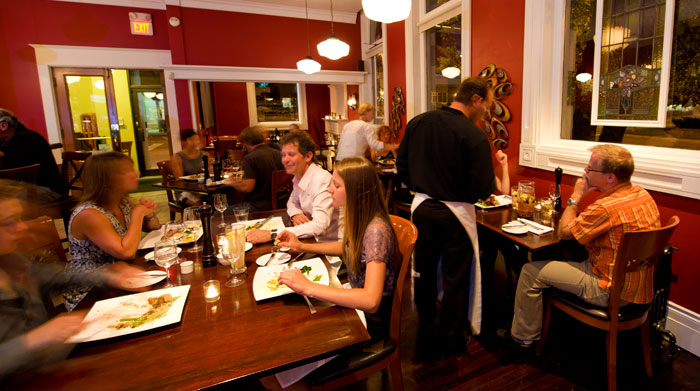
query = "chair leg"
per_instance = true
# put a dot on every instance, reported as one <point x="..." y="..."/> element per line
<point x="644" y="330"/>
<point x="172" y="215"/>
<point x="396" y="376"/>
<point x="545" y="326"/>
<point x="612" y="359"/>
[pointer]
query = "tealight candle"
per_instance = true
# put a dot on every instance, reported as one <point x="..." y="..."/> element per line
<point x="211" y="290"/>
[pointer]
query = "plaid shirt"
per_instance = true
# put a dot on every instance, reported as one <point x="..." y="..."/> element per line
<point x="599" y="228"/>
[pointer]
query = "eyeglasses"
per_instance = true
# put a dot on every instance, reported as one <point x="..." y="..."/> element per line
<point x="589" y="169"/>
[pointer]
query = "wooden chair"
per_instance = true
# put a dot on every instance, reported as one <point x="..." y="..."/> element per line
<point x="638" y="250"/>
<point x="346" y="370"/>
<point x="281" y="188"/>
<point x="167" y="174"/>
<point x="126" y="147"/>
<point x="222" y="146"/>
<point x="27" y="174"/>
<point x="72" y="169"/>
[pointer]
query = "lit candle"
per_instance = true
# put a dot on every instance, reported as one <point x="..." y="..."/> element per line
<point x="211" y="290"/>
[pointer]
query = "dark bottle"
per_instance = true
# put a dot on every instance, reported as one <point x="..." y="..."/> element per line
<point x="557" y="189"/>
<point x="205" y="164"/>
<point x="208" y="255"/>
<point x="217" y="167"/>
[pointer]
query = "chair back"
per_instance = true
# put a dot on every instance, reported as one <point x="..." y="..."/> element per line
<point x="281" y="188"/>
<point x="167" y="174"/>
<point x="406" y="235"/>
<point x="27" y="174"/>
<point x="72" y="170"/>
<point x="41" y="241"/>
<point x="639" y="250"/>
<point x="229" y="145"/>
<point x="125" y="147"/>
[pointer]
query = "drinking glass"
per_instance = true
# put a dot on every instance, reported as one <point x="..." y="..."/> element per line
<point x="553" y="196"/>
<point x="236" y="247"/>
<point x="514" y="197"/>
<point x="526" y="198"/>
<point x="220" y="204"/>
<point x="165" y="255"/>
<point x="222" y="250"/>
<point x="192" y="222"/>
<point x="241" y="212"/>
<point x="547" y="205"/>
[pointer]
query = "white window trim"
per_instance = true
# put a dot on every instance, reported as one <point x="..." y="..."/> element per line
<point x="668" y="170"/>
<point x="660" y="121"/>
<point x="253" y="113"/>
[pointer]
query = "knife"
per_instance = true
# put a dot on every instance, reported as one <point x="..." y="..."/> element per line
<point x="531" y="224"/>
<point x="261" y="223"/>
<point x="289" y="265"/>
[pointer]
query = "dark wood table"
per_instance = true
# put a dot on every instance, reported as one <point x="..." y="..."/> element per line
<point x="233" y="339"/>
<point x="192" y="186"/>
<point x="494" y="218"/>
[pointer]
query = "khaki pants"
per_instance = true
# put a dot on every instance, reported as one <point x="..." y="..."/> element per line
<point x="572" y="277"/>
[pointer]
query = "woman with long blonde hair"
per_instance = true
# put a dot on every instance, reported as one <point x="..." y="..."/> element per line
<point x="106" y="225"/>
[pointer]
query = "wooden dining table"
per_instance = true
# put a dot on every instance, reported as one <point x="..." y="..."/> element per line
<point x="233" y="339"/>
<point x="494" y="218"/>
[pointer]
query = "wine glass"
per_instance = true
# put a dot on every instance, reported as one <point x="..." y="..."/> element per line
<point x="190" y="218"/>
<point x="236" y="248"/>
<point x="220" y="204"/>
<point x="165" y="255"/>
<point x="553" y="196"/>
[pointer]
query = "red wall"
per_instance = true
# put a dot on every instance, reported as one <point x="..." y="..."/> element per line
<point x="504" y="47"/>
<point x="395" y="69"/>
<point x="231" y="106"/>
<point x="318" y="105"/>
<point x="353" y="89"/>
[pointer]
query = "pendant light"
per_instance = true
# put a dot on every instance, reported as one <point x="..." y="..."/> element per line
<point x="451" y="72"/>
<point x="386" y="11"/>
<point x="308" y="65"/>
<point x="332" y="47"/>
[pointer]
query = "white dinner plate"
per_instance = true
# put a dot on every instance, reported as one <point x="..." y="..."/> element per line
<point x="265" y="280"/>
<point x="149" y="256"/>
<point x="183" y="237"/>
<point x="280" y="258"/>
<point x="502" y="199"/>
<point x="147" y="278"/>
<point x="515" y="230"/>
<point x="223" y="261"/>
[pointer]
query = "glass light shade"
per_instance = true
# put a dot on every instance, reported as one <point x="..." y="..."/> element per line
<point x="149" y="95"/>
<point x="584" y="77"/>
<point x="451" y="72"/>
<point x="333" y="48"/>
<point x="72" y="79"/>
<point x="386" y="11"/>
<point x="308" y="65"/>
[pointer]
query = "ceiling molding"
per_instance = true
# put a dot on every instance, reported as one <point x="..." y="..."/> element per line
<point x="279" y="75"/>
<point x="150" y="4"/>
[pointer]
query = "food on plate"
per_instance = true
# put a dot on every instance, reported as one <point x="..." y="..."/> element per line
<point x="174" y="234"/>
<point x="158" y="307"/>
<point x="273" y="283"/>
<point x="307" y="270"/>
<point x="491" y="201"/>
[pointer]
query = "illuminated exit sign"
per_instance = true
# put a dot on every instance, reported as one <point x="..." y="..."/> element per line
<point x="141" y="23"/>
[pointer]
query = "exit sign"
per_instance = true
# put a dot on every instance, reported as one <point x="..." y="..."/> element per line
<point x="141" y="23"/>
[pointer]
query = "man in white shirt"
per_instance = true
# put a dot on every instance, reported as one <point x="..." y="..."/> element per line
<point x="357" y="135"/>
<point x="310" y="204"/>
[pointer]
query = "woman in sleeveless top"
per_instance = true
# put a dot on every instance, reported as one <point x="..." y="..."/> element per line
<point x="106" y="225"/>
<point x="188" y="162"/>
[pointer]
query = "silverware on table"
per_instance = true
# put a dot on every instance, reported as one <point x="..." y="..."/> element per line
<point x="311" y="306"/>
<point x="261" y="223"/>
<point x="308" y="302"/>
<point x="531" y="225"/>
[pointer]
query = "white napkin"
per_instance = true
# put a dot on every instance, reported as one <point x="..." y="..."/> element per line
<point x="536" y="228"/>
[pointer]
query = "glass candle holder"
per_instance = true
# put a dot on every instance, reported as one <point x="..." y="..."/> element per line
<point x="212" y="290"/>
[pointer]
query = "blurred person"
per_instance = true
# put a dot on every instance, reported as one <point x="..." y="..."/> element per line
<point x="28" y="338"/>
<point x="357" y="135"/>
<point x="20" y="147"/>
<point x="446" y="159"/>
<point x="622" y="207"/>
<point x="310" y="204"/>
<point x="257" y="165"/>
<point x="384" y="134"/>
<point x="188" y="162"/>
<point x="369" y="249"/>
<point x="106" y="226"/>
<point x="294" y="128"/>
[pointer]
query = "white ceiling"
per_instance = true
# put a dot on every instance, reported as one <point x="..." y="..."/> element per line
<point x="344" y="11"/>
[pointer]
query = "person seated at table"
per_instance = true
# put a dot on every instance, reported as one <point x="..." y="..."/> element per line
<point x="188" y="162"/>
<point x="310" y="205"/>
<point x="357" y="135"/>
<point x="384" y="134"/>
<point x="257" y="166"/>
<point x="369" y="249"/>
<point x="294" y="128"/>
<point x="106" y="225"/>
<point x="21" y="147"/>
<point x="622" y="207"/>
<point x="28" y="338"/>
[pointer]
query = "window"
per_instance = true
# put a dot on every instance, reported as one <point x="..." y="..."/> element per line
<point x="554" y="107"/>
<point x="276" y="104"/>
<point x="432" y="4"/>
<point x="375" y="32"/>
<point x="443" y="61"/>
<point x="378" y="86"/>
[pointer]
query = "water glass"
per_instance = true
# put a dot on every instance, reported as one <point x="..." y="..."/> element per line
<point x="192" y="222"/>
<point x="165" y="255"/>
<point x="241" y="212"/>
<point x="220" y="204"/>
<point x="222" y="249"/>
<point x="546" y="211"/>
<point x="235" y="234"/>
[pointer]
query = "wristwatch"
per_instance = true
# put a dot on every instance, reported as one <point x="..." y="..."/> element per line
<point x="571" y="201"/>
<point x="273" y="235"/>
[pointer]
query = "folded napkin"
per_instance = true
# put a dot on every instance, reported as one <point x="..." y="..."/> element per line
<point x="536" y="228"/>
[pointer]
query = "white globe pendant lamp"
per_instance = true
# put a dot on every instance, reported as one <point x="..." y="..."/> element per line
<point x="307" y="64"/>
<point x="332" y="47"/>
<point x="386" y="11"/>
<point x="451" y="72"/>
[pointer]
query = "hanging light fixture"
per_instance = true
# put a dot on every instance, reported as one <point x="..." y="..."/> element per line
<point x="386" y="11"/>
<point x="451" y="72"/>
<point x="332" y="47"/>
<point x="308" y="65"/>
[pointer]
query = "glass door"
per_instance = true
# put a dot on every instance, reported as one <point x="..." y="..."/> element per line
<point x="149" y="116"/>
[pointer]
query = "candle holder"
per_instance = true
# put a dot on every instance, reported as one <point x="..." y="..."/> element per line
<point x="212" y="290"/>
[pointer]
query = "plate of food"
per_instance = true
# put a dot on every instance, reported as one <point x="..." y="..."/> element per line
<point x="274" y="223"/>
<point x="265" y="285"/>
<point x="179" y="234"/>
<point x="132" y="314"/>
<point x="494" y="201"/>
<point x="192" y="177"/>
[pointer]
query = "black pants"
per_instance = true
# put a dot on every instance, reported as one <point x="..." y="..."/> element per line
<point x="441" y="235"/>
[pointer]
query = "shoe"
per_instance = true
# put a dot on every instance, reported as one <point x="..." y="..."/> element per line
<point x="513" y="342"/>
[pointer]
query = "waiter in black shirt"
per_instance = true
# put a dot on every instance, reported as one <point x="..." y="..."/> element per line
<point x="446" y="159"/>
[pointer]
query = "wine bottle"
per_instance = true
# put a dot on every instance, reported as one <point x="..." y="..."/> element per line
<point x="205" y="164"/>
<point x="557" y="190"/>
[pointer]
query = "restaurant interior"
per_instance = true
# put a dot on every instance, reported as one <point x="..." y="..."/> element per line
<point x="129" y="75"/>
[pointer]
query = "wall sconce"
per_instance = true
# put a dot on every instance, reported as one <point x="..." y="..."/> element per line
<point x="352" y="101"/>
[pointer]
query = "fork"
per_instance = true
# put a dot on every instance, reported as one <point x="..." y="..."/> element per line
<point x="308" y="302"/>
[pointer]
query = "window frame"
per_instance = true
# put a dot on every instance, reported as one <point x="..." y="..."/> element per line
<point x="253" y="112"/>
<point x="668" y="170"/>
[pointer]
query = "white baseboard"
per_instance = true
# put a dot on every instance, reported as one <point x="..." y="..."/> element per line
<point x="685" y="325"/>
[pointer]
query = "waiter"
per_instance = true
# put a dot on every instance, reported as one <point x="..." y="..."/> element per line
<point x="446" y="159"/>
